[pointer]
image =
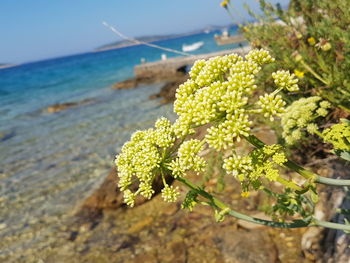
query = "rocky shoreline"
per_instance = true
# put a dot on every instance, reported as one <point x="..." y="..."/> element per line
<point x="167" y="91"/>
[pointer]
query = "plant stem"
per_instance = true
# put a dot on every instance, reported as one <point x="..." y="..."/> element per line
<point x="289" y="184"/>
<point x="294" y="224"/>
<point x="300" y="170"/>
<point x="314" y="73"/>
<point x="331" y="225"/>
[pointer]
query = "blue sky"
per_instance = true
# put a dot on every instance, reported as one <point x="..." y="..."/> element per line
<point x="37" y="29"/>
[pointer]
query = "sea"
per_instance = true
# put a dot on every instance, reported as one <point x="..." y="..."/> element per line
<point x="50" y="162"/>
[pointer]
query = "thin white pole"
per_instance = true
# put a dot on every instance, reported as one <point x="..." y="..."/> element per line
<point x="114" y="30"/>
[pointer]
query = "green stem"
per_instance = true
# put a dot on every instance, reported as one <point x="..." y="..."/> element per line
<point x="319" y="134"/>
<point x="253" y="111"/>
<point x="314" y="73"/>
<point x="274" y="93"/>
<point x="344" y="107"/>
<point x="300" y="170"/>
<point x="331" y="225"/>
<point x="294" y="224"/>
<point x="289" y="184"/>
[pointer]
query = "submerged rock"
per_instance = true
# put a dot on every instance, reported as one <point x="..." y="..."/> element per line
<point x="67" y="105"/>
<point x="7" y="135"/>
<point x="126" y="84"/>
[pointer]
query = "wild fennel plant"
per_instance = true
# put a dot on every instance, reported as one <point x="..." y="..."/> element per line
<point x="219" y="96"/>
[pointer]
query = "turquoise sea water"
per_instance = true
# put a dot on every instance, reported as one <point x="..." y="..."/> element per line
<point x="50" y="162"/>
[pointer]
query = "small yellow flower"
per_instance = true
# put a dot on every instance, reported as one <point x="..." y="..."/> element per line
<point x="299" y="74"/>
<point x="311" y="41"/>
<point x="224" y="4"/>
<point x="326" y="46"/>
<point x="297" y="57"/>
<point x="246" y="29"/>
<point x="299" y="35"/>
<point x="245" y="194"/>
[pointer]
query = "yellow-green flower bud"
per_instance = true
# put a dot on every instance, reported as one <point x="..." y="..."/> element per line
<point x="238" y="166"/>
<point x="170" y="194"/>
<point x="271" y="105"/>
<point x="260" y="56"/>
<point x="283" y="79"/>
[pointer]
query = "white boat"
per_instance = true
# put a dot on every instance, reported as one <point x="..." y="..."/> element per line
<point x="192" y="47"/>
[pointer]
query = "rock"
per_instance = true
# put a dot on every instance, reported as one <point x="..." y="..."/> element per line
<point x="242" y="247"/>
<point x="287" y="243"/>
<point x="108" y="197"/>
<point x="126" y="84"/>
<point x="310" y="237"/>
<point x="64" y="106"/>
<point x="335" y="245"/>
<point x="7" y="135"/>
<point x="145" y="258"/>
<point x="171" y="209"/>
<point x="140" y="225"/>
<point x="168" y="91"/>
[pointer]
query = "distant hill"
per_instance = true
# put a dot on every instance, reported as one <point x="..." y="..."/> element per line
<point x="6" y="65"/>
<point x="125" y="43"/>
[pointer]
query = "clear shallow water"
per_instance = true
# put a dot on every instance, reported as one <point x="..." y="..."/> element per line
<point x="50" y="162"/>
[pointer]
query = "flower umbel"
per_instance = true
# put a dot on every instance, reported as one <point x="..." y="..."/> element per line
<point x="170" y="194"/>
<point x="338" y="135"/>
<point x="301" y="116"/>
<point x="259" y="164"/>
<point x="141" y="157"/>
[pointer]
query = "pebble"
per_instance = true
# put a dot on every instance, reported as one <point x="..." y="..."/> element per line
<point x="171" y="209"/>
<point x="290" y="244"/>
<point x="140" y="225"/>
<point x="3" y="226"/>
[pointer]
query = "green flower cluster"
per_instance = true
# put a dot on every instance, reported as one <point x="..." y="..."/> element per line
<point x="235" y="125"/>
<point x="218" y="92"/>
<point x="284" y="80"/>
<point x="301" y="116"/>
<point x="338" y="135"/>
<point x="141" y="157"/>
<point x="170" y="194"/>
<point x="260" y="56"/>
<point x="188" y="159"/>
<point x="207" y="72"/>
<point x="238" y="166"/>
<point x="260" y="163"/>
